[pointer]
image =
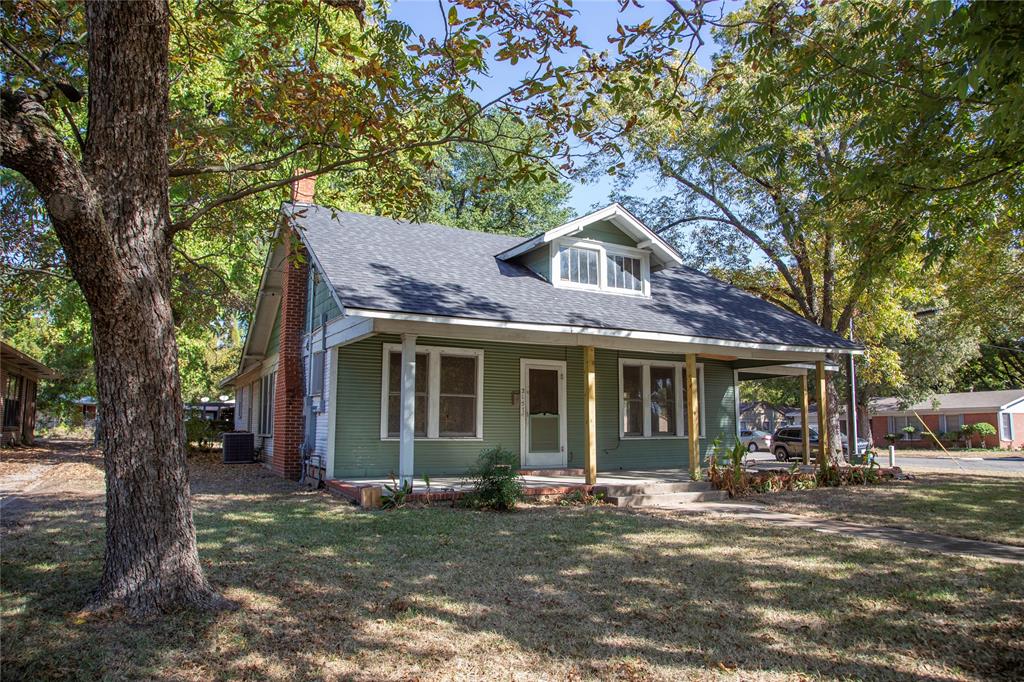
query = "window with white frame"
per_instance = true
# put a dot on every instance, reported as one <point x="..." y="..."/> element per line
<point x="898" y="425"/>
<point x="950" y="423"/>
<point x="652" y="402"/>
<point x="624" y="272"/>
<point x="1005" y="426"/>
<point x="579" y="265"/>
<point x="267" y="403"/>
<point x="449" y="390"/>
<point x="583" y="263"/>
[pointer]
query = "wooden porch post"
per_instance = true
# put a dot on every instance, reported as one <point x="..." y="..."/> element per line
<point x="692" y="415"/>
<point x="804" y="413"/>
<point x="590" y="416"/>
<point x="822" y="416"/>
<point x="408" y="410"/>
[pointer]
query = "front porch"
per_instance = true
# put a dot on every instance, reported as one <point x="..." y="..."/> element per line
<point x="368" y="492"/>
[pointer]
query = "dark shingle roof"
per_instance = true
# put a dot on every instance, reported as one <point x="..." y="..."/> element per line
<point x="389" y="265"/>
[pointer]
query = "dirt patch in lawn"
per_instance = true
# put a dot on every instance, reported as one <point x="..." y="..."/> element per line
<point x="976" y="506"/>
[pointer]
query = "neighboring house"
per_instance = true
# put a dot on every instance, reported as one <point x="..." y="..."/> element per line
<point x="406" y="348"/>
<point x="19" y="380"/>
<point x="87" y="409"/>
<point x="793" y="418"/>
<point x="762" y="416"/>
<point x="947" y="412"/>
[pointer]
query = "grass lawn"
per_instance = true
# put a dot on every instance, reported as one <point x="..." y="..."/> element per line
<point x="979" y="506"/>
<point x="329" y="592"/>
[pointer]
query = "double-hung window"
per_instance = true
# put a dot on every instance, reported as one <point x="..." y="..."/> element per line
<point x="267" y="403"/>
<point x="449" y="392"/>
<point x="950" y="423"/>
<point x="653" y="399"/>
<point x="899" y="425"/>
<point x="1005" y="426"/>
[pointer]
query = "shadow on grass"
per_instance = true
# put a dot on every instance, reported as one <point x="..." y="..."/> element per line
<point x="330" y="592"/>
<point x="981" y="507"/>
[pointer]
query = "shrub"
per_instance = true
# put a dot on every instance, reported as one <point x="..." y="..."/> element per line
<point x="496" y="481"/>
<point x="892" y="438"/>
<point x="581" y="498"/>
<point x="198" y="431"/>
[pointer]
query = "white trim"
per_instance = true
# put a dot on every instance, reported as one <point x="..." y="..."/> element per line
<point x="332" y="412"/>
<point x="603" y="249"/>
<point x="999" y="426"/>
<point x="433" y="354"/>
<point x="677" y="379"/>
<point x="563" y="431"/>
<point x="736" y="399"/>
<point x="595" y="331"/>
<point x="1012" y="403"/>
<point x="615" y="213"/>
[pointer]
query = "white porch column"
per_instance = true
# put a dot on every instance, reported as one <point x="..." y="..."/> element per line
<point x="408" y="400"/>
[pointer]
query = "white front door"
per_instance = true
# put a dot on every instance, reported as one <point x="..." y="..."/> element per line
<point x="542" y="413"/>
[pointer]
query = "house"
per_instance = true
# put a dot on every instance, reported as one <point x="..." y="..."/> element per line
<point x="19" y="380"/>
<point x="946" y="413"/>
<point x="793" y="418"/>
<point x="379" y="346"/>
<point x="761" y="415"/>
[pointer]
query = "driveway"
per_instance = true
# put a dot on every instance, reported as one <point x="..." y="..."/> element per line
<point x="1009" y="463"/>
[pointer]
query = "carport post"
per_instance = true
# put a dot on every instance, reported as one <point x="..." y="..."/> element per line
<point x="823" y="451"/>
<point x="804" y="414"/>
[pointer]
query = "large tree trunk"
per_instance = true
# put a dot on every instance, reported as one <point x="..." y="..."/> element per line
<point x="835" y="406"/>
<point x="110" y="214"/>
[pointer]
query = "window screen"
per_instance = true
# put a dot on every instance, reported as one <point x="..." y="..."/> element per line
<point x="457" y="400"/>
<point x="395" y="394"/>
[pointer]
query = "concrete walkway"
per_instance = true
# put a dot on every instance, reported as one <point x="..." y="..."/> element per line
<point x="932" y="542"/>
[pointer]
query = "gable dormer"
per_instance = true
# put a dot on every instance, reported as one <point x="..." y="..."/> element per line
<point x="607" y="251"/>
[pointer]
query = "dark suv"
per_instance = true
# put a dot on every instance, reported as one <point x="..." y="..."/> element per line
<point x="788" y="442"/>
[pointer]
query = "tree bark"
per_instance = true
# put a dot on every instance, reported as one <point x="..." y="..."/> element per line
<point x="110" y="214"/>
<point x="834" y="407"/>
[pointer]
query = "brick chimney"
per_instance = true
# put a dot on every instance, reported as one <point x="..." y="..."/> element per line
<point x="303" y="190"/>
<point x="289" y="387"/>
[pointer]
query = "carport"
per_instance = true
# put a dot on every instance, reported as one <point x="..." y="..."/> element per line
<point x="758" y="370"/>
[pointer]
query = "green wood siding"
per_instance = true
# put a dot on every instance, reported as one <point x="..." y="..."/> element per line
<point x="323" y="304"/>
<point x="605" y="231"/>
<point x="539" y="260"/>
<point x="274" y="343"/>
<point x="361" y="452"/>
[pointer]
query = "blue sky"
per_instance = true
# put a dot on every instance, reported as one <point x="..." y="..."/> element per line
<point x="595" y="20"/>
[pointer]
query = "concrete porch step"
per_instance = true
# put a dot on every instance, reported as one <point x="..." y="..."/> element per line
<point x="667" y="499"/>
<point x="627" y="489"/>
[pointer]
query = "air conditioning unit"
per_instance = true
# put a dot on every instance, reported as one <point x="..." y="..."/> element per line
<point x="238" y="448"/>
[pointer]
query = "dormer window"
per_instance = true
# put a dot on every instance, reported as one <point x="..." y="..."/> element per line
<point x="624" y="272"/>
<point x="600" y="266"/>
<point x="580" y="265"/>
<point x="608" y="251"/>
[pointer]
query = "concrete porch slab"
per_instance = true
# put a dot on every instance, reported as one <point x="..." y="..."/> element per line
<point x="536" y="483"/>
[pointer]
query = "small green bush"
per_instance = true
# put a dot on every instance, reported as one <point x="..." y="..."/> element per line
<point x="396" y="495"/>
<point x="496" y="481"/>
<point x="198" y="431"/>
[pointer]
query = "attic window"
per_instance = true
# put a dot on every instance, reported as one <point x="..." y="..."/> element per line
<point x="624" y="273"/>
<point x="601" y="266"/>
<point x="579" y="265"/>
